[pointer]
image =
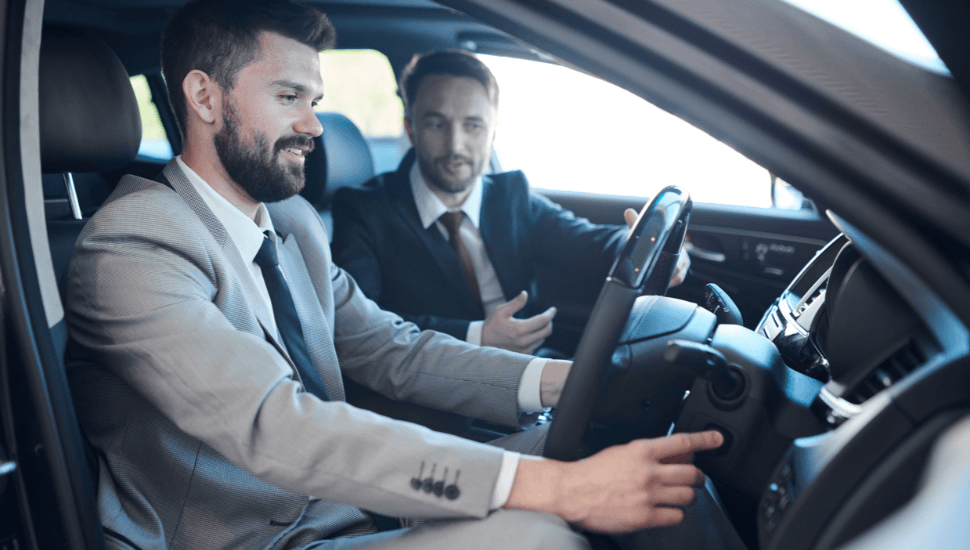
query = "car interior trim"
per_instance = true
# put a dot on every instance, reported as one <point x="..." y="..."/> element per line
<point x="949" y="331"/>
<point x="757" y="234"/>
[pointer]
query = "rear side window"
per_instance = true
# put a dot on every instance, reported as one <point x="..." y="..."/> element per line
<point x="360" y="85"/>
<point x="154" y="140"/>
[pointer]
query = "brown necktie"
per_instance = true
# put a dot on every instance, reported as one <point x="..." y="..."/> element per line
<point x="452" y="220"/>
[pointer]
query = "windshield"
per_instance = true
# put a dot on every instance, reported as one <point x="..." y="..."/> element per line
<point x="883" y="23"/>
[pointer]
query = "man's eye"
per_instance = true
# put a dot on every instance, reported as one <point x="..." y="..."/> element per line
<point x="288" y="98"/>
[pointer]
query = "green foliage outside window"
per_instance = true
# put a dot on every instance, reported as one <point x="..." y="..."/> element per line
<point x="151" y="124"/>
<point x="360" y="84"/>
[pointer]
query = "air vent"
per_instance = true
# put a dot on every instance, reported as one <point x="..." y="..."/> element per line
<point x="887" y="373"/>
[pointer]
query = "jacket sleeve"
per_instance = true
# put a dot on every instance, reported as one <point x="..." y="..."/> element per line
<point x="567" y="242"/>
<point x="358" y="239"/>
<point x="153" y="304"/>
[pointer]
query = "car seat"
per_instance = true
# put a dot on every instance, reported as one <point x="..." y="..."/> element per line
<point x="88" y="122"/>
<point x="340" y="158"/>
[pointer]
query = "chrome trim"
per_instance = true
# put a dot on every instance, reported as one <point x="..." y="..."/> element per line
<point x="821" y="280"/>
<point x="840" y="410"/>
<point x="700" y="228"/>
<point x="703" y="254"/>
<point x="72" y="195"/>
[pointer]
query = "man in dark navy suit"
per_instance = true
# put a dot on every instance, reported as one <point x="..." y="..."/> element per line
<point x="454" y="250"/>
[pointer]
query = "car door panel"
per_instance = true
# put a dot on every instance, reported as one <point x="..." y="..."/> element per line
<point x="752" y="253"/>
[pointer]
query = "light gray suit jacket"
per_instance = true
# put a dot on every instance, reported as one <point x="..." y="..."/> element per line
<point x="205" y="436"/>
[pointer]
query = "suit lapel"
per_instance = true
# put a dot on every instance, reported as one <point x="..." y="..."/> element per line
<point x="444" y="257"/>
<point x="254" y="300"/>
<point x="497" y="228"/>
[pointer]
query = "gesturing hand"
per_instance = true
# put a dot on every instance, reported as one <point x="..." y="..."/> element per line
<point x="620" y="489"/>
<point x="502" y="330"/>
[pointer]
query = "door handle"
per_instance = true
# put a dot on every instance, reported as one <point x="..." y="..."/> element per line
<point x="702" y="254"/>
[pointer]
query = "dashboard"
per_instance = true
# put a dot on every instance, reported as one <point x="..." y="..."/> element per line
<point x="891" y="358"/>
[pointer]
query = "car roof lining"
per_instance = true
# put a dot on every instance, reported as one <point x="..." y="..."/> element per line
<point x="417" y="25"/>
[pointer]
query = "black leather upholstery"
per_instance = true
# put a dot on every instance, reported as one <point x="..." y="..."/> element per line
<point x="89" y="118"/>
<point x="89" y="122"/>
<point x="341" y="158"/>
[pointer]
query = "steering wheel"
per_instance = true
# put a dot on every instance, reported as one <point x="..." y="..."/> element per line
<point x="645" y="264"/>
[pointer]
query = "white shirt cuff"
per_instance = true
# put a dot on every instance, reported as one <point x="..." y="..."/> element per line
<point x="474" y="336"/>
<point x="530" y="396"/>
<point x="506" y="476"/>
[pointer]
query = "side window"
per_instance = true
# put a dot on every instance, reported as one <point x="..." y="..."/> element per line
<point x="573" y="132"/>
<point x="360" y="85"/>
<point x="154" y="140"/>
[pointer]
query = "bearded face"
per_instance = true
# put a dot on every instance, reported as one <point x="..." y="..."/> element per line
<point x="258" y="167"/>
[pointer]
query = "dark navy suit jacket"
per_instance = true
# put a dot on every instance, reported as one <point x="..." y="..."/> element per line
<point x="414" y="272"/>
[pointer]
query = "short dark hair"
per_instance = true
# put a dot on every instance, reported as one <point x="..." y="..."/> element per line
<point x="221" y="37"/>
<point x="446" y="62"/>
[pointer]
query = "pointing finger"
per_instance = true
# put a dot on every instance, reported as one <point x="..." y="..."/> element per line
<point x="683" y="443"/>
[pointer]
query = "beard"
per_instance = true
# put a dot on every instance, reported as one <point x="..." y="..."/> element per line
<point x="436" y="178"/>
<point x="257" y="169"/>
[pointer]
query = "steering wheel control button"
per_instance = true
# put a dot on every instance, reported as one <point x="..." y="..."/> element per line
<point x="721" y="305"/>
<point x="778" y="496"/>
<point x="728" y="439"/>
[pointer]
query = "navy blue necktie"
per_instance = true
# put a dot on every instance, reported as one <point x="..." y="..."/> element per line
<point x="287" y="322"/>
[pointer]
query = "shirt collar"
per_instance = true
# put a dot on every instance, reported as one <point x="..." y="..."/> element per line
<point x="430" y="207"/>
<point x="245" y="234"/>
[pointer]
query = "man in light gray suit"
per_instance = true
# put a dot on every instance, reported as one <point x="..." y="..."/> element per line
<point x="209" y="328"/>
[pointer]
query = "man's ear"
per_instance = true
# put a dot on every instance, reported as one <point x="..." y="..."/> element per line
<point x="203" y="96"/>
<point x="409" y="129"/>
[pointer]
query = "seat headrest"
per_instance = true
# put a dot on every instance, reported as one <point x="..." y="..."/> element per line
<point x="89" y="118"/>
<point x="341" y="158"/>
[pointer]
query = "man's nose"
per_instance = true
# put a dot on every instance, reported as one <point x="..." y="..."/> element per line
<point x="456" y="139"/>
<point x="308" y="124"/>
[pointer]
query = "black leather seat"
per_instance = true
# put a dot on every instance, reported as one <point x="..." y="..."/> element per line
<point x="341" y="158"/>
<point x="89" y="123"/>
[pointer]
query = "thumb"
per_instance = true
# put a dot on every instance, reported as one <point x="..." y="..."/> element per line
<point x="630" y="217"/>
<point x="515" y="304"/>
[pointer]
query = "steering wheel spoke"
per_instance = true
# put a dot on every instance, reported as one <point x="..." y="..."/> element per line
<point x="644" y="264"/>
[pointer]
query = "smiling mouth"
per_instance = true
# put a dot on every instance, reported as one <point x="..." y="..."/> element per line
<point x="298" y="152"/>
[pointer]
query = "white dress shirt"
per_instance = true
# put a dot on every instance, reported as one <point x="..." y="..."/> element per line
<point x="430" y="208"/>
<point x="247" y="236"/>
